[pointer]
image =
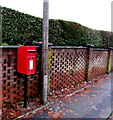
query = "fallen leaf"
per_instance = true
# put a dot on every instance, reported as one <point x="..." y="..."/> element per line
<point x="61" y="105"/>
<point x="75" y="100"/>
<point x="76" y="114"/>
<point x="94" y="95"/>
<point x="50" y="112"/>
<point x="94" y="107"/>
<point x="12" y="114"/>
<point x="69" y="111"/>
<point x="57" y="115"/>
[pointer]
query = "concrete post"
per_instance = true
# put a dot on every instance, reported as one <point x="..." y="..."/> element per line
<point x="89" y="51"/>
<point x="109" y="61"/>
<point x="44" y="67"/>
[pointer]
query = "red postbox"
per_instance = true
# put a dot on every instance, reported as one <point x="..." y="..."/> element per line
<point x="26" y="61"/>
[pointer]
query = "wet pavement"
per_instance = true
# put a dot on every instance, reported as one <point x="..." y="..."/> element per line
<point x="93" y="102"/>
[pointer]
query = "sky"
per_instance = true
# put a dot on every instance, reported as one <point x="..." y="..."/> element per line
<point x="95" y="14"/>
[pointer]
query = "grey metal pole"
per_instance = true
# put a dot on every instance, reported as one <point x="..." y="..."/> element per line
<point x="45" y="49"/>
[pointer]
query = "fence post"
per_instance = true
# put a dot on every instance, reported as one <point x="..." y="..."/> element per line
<point x="41" y="72"/>
<point x="88" y="58"/>
<point x="109" y="61"/>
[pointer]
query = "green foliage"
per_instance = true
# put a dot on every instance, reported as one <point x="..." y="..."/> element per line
<point x="21" y="103"/>
<point x="23" y="29"/>
<point x="5" y="44"/>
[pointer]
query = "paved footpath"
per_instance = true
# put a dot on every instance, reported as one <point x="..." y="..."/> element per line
<point x="93" y="102"/>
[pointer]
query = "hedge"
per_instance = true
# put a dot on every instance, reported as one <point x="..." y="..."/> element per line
<point x="23" y="29"/>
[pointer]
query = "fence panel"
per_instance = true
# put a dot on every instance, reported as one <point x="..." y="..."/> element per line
<point x="98" y="63"/>
<point x="67" y="68"/>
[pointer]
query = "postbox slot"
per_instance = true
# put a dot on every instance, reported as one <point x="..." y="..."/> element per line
<point x="31" y="51"/>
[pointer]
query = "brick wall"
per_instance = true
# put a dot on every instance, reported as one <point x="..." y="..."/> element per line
<point x="13" y="81"/>
<point x="67" y="66"/>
